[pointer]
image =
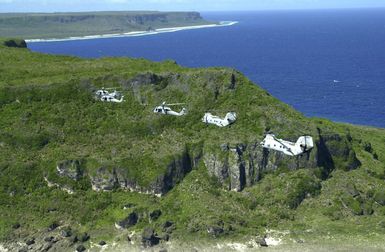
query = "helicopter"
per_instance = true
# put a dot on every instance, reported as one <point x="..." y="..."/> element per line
<point x="165" y="110"/>
<point x="101" y="92"/>
<point x="105" y="92"/>
<point x="230" y="118"/>
<point x="105" y="96"/>
<point x="115" y="94"/>
<point x="109" y="98"/>
<point x="303" y="144"/>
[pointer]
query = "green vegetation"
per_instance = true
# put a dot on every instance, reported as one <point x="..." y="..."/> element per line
<point x="64" y="25"/>
<point x="48" y="115"/>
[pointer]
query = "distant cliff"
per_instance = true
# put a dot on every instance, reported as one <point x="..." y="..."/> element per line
<point x="62" y="25"/>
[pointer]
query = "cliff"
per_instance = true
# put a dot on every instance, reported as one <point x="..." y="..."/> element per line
<point x="80" y="170"/>
<point x="64" y="25"/>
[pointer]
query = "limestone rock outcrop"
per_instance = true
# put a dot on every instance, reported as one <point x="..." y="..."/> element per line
<point x="241" y="165"/>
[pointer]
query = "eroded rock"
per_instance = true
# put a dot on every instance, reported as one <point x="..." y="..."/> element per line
<point x="30" y="241"/>
<point x="48" y="239"/>
<point x="84" y="237"/>
<point x="80" y="248"/>
<point x="53" y="226"/>
<point x="154" y="215"/>
<point x="71" y="169"/>
<point x="240" y="166"/>
<point x="129" y="221"/>
<point x="104" y="180"/>
<point x="16" y="226"/>
<point x="262" y="242"/>
<point x="215" y="230"/>
<point x="67" y="232"/>
<point x="149" y="237"/>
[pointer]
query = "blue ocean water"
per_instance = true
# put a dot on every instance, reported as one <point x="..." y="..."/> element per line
<point x="325" y="63"/>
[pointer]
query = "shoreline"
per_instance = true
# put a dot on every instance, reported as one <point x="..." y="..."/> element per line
<point x="135" y="33"/>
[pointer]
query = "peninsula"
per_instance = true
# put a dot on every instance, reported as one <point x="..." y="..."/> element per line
<point x="80" y="24"/>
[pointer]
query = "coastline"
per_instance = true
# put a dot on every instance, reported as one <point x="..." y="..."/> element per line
<point x="135" y="33"/>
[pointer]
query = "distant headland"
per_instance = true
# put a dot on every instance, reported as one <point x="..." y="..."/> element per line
<point x="88" y="25"/>
<point x="136" y="33"/>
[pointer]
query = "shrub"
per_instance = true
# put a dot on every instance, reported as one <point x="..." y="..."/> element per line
<point x="352" y="204"/>
<point x="379" y="197"/>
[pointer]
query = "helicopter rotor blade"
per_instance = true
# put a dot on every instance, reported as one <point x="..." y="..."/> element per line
<point x="288" y="148"/>
<point x="174" y="104"/>
<point x="110" y="88"/>
<point x="221" y="110"/>
<point x="279" y="141"/>
<point x="305" y="147"/>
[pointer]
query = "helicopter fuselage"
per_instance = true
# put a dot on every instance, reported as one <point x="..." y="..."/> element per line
<point x="109" y="98"/>
<point x="303" y="144"/>
<point x="220" y="122"/>
<point x="168" y="111"/>
<point x="101" y="92"/>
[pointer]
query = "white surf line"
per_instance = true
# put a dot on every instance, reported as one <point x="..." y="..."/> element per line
<point x="135" y="33"/>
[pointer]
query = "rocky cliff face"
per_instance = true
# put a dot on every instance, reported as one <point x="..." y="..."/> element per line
<point x="242" y="165"/>
<point x="108" y="179"/>
<point x="176" y="171"/>
<point x="135" y="19"/>
<point x="128" y="17"/>
<point x="236" y="166"/>
<point x="71" y="169"/>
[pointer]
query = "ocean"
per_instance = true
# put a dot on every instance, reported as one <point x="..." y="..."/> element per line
<point x="324" y="63"/>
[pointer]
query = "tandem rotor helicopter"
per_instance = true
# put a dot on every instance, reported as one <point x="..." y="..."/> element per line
<point x="106" y="96"/>
<point x="303" y="144"/>
<point x="230" y="118"/>
<point x="164" y="109"/>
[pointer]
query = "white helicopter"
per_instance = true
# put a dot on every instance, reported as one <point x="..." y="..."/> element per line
<point x="165" y="110"/>
<point x="104" y="91"/>
<point x="106" y="96"/>
<point x="110" y="98"/>
<point x="303" y="144"/>
<point x="230" y="118"/>
<point x="101" y="92"/>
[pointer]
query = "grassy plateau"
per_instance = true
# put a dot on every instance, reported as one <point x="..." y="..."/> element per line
<point x="48" y="114"/>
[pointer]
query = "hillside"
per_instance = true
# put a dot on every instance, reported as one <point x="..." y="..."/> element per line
<point x="75" y="171"/>
<point x="64" y="25"/>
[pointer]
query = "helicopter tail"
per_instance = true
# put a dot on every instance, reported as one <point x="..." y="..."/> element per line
<point x="305" y="142"/>
<point x="231" y="117"/>
<point x="183" y="112"/>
